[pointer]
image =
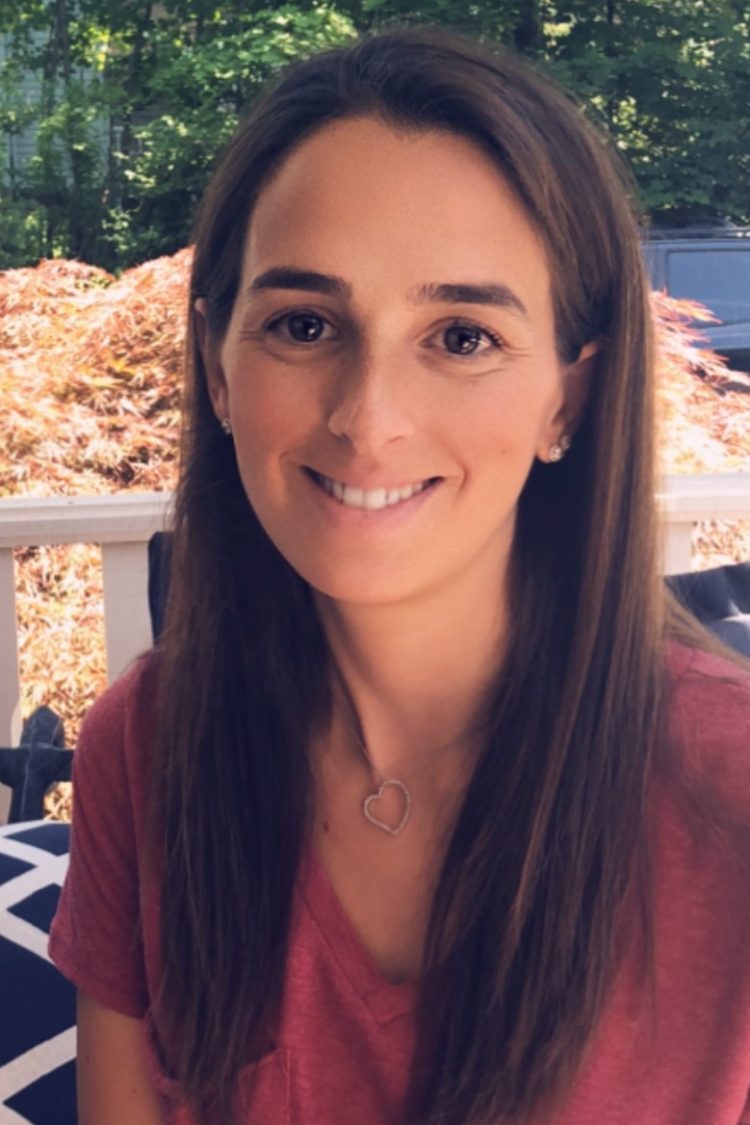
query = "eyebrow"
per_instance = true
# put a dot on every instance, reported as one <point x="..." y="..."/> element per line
<point x="493" y="293"/>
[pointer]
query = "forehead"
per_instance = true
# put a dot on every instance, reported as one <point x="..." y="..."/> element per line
<point x="391" y="208"/>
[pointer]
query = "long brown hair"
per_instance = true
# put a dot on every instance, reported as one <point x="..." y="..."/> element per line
<point x="550" y="839"/>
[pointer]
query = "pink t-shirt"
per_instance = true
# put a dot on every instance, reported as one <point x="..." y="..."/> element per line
<point x="346" y="1036"/>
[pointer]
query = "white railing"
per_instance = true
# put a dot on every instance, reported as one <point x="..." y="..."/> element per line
<point x="687" y="500"/>
<point x="123" y="524"/>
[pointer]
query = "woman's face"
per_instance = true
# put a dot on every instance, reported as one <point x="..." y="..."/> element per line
<point x="393" y="334"/>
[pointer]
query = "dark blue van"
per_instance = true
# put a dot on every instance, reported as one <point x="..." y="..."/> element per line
<point x="710" y="265"/>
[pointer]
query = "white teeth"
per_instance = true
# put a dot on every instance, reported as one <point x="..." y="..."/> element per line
<point x="354" y="497"/>
<point x="372" y="499"/>
<point x="375" y="499"/>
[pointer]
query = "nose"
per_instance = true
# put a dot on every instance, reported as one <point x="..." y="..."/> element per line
<point x="370" y="404"/>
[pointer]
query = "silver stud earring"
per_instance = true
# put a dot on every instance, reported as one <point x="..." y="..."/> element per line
<point x="226" y="425"/>
<point x="559" y="449"/>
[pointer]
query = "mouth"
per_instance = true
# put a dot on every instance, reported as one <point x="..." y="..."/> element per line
<point x="370" y="499"/>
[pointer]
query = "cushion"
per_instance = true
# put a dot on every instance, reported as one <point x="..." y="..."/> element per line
<point x="720" y="599"/>
<point x="37" y="1031"/>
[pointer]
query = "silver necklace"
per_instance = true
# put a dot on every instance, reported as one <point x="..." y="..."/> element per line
<point x="373" y="798"/>
<point x="368" y="804"/>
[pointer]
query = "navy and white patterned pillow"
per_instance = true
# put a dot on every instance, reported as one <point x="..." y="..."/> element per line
<point x="37" y="1026"/>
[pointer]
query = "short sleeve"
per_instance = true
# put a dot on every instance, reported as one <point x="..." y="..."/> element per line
<point x="745" y="1119"/>
<point x="710" y="721"/>
<point x="96" y="935"/>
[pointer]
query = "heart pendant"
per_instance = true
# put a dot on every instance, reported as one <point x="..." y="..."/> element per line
<point x="369" y="801"/>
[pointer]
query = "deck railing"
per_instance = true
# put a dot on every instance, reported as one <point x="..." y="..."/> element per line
<point x="122" y="525"/>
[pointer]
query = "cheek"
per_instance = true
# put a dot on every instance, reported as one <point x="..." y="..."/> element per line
<point x="504" y="425"/>
<point x="270" y="414"/>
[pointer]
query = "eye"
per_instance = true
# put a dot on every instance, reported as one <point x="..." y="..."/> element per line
<point x="298" y="327"/>
<point x="463" y="339"/>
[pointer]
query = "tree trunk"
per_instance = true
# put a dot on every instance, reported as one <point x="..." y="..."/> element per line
<point x="528" y="34"/>
<point x="611" y="53"/>
<point x="133" y="77"/>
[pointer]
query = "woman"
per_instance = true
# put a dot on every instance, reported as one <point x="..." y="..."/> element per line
<point x="429" y="807"/>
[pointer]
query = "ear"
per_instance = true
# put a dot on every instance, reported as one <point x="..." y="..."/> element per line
<point x="576" y="378"/>
<point x="215" y="379"/>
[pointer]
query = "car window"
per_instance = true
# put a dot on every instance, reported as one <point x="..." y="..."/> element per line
<point x="719" y="279"/>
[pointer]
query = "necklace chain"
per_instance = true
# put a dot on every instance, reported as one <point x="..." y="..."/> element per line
<point x="352" y="721"/>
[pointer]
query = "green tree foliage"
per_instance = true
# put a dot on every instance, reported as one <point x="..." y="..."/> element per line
<point x="672" y="80"/>
<point x="198" y="78"/>
<point x="132" y="101"/>
<point x="133" y="105"/>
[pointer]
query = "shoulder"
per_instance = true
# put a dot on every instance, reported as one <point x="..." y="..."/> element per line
<point x="118" y="729"/>
<point x="130" y="697"/>
<point x="708" y="704"/>
<point x="708" y="691"/>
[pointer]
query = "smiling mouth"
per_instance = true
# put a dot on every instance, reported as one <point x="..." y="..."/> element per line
<point x="370" y="499"/>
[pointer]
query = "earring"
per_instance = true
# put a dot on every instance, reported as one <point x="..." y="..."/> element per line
<point x="559" y="449"/>
<point x="226" y="425"/>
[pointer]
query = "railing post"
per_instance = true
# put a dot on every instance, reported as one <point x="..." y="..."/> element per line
<point x="686" y="500"/>
<point x="678" y="547"/>
<point x="127" y="627"/>
<point x="10" y="684"/>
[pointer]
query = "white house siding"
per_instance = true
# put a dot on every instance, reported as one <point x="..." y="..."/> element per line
<point x="17" y="149"/>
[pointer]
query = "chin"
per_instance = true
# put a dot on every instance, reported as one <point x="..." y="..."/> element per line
<point x="359" y="588"/>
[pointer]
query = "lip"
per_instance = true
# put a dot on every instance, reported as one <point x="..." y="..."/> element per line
<point x="344" y="515"/>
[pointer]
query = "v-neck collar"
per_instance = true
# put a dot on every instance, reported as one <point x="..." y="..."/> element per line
<point x="384" y="1000"/>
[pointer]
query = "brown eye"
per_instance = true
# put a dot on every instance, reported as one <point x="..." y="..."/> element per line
<point x="301" y="327"/>
<point x="462" y="339"/>
<point x="304" y="328"/>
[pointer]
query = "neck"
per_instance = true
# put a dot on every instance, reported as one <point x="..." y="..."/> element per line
<point x="416" y="675"/>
